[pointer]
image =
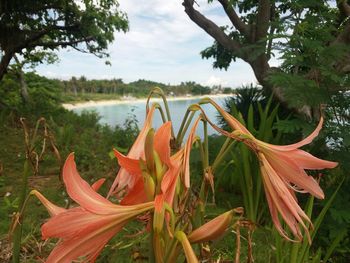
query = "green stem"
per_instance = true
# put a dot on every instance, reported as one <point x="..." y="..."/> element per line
<point x="189" y="120"/>
<point x="161" y="112"/>
<point x="17" y="236"/>
<point x="206" y="143"/>
<point x="182" y="126"/>
<point x="151" y="257"/>
<point x="225" y="149"/>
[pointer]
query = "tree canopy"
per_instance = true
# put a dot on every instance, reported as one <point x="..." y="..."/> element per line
<point x="87" y="26"/>
<point x="311" y="38"/>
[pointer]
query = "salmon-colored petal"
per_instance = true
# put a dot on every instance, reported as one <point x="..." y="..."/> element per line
<point x="159" y="213"/>
<point x="97" y="185"/>
<point x="187" y="151"/>
<point x="68" y="250"/>
<point x="132" y="166"/>
<point x="212" y="229"/>
<point x="307" y="161"/>
<point x="136" y="152"/>
<point x="170" y="178"/>
<point x="294" y="146"/>
<point x="80" y="221"/>
<point x="162" y="142"/>
<point x="51" y="208"/>
<point x="287" y="169"/>
<point x="274" y="216"/>
<point x="81" y="192"/>
<point x="281" y="197"/>
<point x="135" y="195"/>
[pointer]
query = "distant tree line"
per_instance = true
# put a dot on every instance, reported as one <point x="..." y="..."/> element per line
<point x="139" y="88"/>
<point x="55" y="91"/>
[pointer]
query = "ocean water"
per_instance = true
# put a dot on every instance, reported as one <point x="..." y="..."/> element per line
<point x="117" y="114"/>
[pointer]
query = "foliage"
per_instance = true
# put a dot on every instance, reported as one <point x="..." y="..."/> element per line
<point x="87" y="26"/>
<point x="310" y="39"/>
<point x="287" y="252"/>
<point x="75" y="89"/>
<point x="241" y="163"/>
<point x="45" y="93"/>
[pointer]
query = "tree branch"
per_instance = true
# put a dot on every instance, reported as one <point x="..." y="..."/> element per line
<point x="211" y="28"/>
<point x="5" y="61"/>
<point x="235" y="19"/>
<point x="262" y="20"/>
<point x="61" y="43"/>
<point x="344" y="36"/>
<point x="344" y="7"/>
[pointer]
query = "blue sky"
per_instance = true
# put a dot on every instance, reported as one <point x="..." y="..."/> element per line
<point x="163" y="45"/>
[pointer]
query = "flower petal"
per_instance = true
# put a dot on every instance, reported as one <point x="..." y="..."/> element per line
<point x="70" y="249"/>
<point x="294" y="146"/>
<point x="132" y="166"/>
<point x="162" y="142"/>
<point x="136" y="152"/>
<point x="287" y="169"/>
<point x="307" y="161"/>
<point x="282" y="198"/>
<point x="51" y="208"/>
<point x="97" y="185"/>
<point x="81" y="192"/>
<point x="135" y="195"/>
<point x="187" y="151"/>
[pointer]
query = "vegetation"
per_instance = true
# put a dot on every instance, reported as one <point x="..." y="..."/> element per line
<point x="31" y="26"/>
<point x="310" y="38"/>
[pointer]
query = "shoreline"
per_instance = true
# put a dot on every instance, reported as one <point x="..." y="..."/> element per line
<point x="92" y="103"/>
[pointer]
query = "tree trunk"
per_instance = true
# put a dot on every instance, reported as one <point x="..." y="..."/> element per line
<point x="24" y="87"/>
<point x="5" y="61"/>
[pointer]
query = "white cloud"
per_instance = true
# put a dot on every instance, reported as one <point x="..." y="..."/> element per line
<point x="163" y="44"/>
<point x="215" y="81"/>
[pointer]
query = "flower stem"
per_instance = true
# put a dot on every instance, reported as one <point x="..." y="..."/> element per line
<point x="17" y="235"/>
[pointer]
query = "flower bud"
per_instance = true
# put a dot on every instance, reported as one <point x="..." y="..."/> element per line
<point x="149" y="150"/>
<point x="212" y="229"/>
<point x="149" y="186"/>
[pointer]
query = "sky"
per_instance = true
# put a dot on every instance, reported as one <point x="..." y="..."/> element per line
<point x="162" y="45"/>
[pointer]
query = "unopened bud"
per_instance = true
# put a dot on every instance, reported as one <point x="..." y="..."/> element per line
<point x="149" y="186"/>
<point x="212" y="229"/>
<point x="149" y="150"/>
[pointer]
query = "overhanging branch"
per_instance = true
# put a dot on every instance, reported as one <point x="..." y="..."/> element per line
<point x="211" y="28"/>
<point x="235" y="19"/>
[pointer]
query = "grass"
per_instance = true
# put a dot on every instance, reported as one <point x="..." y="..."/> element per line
<point x="129" y="249"/>
<point x="74" y="133"/>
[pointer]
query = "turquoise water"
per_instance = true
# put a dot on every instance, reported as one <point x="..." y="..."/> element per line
<point x="117" y="114"/>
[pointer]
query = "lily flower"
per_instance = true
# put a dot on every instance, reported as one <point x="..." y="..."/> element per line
<point x="172" y="166"/>
<point x="83" y="231"/>
<point x="283" y="172"/>
<point x="127" y="178"/>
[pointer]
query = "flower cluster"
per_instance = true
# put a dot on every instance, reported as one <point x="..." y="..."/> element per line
<point x="154" y="180"/>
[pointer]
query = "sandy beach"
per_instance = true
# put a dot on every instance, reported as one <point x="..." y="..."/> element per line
<point x="91" y="103"/>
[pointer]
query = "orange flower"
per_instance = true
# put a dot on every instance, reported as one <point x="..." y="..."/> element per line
<point x="170" y="167"/>
<point x="124" y="178"/>
<point x="283" y="172"/>
<point x="84" y="230"/>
